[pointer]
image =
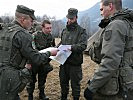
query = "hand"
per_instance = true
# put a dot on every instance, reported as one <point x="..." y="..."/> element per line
<point x="54" y="51"/>
<point x="69" y="48"/>
<point x="28" y="66"/>
<point x="88" y="94"/>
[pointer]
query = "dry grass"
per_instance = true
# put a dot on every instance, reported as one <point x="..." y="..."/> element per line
<point x="52" y="88"/>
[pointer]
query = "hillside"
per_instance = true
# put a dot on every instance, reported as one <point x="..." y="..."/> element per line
<point x="94" y="12"/>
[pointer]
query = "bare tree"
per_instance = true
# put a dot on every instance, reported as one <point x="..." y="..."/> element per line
<point x="58" y="26"/>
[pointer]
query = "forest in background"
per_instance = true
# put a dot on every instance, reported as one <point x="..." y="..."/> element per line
<point x="57" y="25"/>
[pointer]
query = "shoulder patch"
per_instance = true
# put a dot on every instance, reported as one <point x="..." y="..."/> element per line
<point x="107" y="35"/>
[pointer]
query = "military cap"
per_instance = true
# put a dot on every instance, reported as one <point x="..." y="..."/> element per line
<point x="72" y="12"/>
<point x="25" y="10"/>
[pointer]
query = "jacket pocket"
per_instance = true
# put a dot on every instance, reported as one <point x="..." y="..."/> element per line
<point x="111" y="87"/>
<point x="25" y="77"/>
<point x="126" y="77"/>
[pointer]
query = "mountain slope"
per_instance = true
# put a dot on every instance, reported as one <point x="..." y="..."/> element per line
<point x="94" y="12"/>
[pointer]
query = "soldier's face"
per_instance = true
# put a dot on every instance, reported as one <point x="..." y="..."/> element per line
<point x="47" y="28"/>
<point x="27" y="22"/>
<point x="105" y="11"/>
<point x="71" y="20"/>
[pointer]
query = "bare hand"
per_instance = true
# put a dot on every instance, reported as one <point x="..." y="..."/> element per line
<point x="54" y="51"/>
<point x="28" y="66"/>
<point x="69" y="48"/>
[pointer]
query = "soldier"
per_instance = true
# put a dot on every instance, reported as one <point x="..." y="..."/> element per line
<point x="15" y="49"/>
<point x="112" y="50"/>
<point x="43" y="39"/>
<point x="75" y="36"/>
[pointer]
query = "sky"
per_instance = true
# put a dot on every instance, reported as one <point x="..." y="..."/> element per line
<point x="57" y="8"/>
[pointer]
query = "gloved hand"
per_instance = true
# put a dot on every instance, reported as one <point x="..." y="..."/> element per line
<point x="88" y="94"/>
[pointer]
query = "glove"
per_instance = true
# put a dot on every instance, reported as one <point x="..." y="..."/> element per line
<point x="88" y="94"/>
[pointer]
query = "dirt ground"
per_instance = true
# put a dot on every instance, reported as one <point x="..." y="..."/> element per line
<point x="52" y="86"/>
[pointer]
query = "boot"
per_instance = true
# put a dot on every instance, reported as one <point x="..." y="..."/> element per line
<point x="42" y="95"/>
<point x="30" y="97"/>
<point x="64" y="97"/>
<point x="75" y="98"/>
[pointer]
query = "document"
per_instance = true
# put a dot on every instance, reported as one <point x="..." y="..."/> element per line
<point x="62" y="55"/>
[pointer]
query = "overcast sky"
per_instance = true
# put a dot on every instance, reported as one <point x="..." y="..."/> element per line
<point x="57" y="8"/>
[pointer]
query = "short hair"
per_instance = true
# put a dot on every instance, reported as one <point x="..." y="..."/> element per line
<point x="20" y="15"/>
<point x="45" y="22"/>
<point x="117" y="3"/>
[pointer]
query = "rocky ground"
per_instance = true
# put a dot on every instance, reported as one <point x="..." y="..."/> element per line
<point x="52" y="88"/>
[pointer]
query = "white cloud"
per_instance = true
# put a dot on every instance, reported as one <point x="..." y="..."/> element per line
<point x="57" y="8"/>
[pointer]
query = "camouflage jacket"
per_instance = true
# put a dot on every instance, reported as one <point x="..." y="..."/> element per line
<point x="43" y="40"/>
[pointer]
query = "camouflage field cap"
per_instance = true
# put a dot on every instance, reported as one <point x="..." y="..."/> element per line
<point x="25" y="10"/>
<point x="72" y="12"/>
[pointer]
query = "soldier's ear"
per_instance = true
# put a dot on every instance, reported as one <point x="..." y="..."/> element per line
<point x="111" y="6"/>
<point x="22" y="19"/>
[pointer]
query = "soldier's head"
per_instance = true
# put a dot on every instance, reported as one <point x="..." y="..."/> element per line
<point x="46" y="26"/>
<point x="109" y="7"/>
<point x="72" y="15"/>
<point x="24" y="16"/>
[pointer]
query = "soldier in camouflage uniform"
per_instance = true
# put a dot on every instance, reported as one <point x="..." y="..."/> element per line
<point x="71" y="70"/>
<point x="15" y="49"/>
<point x="112" y="48"/>
<point x="42" y="39"/>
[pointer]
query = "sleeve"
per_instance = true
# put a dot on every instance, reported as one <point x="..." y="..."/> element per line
<point x="23" y="41"/>
<point x="81" y="44"/>
<point x="112" y="52"/>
